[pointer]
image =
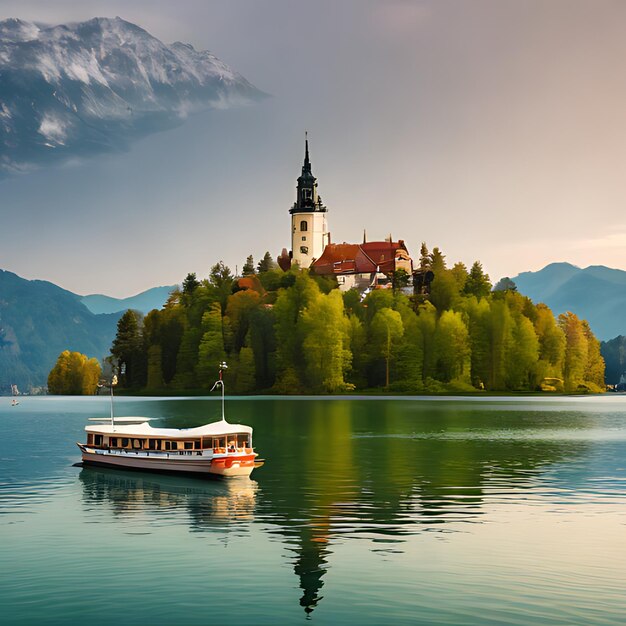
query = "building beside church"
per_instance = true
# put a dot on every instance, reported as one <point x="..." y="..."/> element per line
<point x="363" y="266"/>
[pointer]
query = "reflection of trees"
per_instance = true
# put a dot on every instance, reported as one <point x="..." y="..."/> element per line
<point x="208" y="503"/>
<point x="382" y="469"/>
<point x="345" y="468"/>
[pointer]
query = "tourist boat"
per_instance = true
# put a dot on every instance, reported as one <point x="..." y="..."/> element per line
<point x="215" y="449"/>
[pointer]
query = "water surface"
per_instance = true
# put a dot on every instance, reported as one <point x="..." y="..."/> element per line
<point x="368" y="511"/>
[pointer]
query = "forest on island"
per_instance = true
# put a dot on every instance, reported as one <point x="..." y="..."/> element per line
<point x="293" y="332"/>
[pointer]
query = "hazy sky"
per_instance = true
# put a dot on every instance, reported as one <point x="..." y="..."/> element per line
<point x="493" y="129"/>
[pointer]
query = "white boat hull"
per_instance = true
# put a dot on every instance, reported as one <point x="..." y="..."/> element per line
<point x="232" y="465"/>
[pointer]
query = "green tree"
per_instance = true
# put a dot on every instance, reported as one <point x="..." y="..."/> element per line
<point x="452" y="348"/>
<point x="266" y="263"/>
<point x="211" y="351"/>
<point x="386" y="331"/>
<point x="246" y="378"/>
<point x="128" y="349"/>
<point x="410" y="361"/>
<point x="155" y="372"/>
<point x="576" y="351"/>
<point x="478" y="283"/>
<point x="505" y="284"/>
<point x="523" y="357"/>
<point x="425" y="260"/>
<point x="190" y="284"/>
<point x="325" y="345"/>
<point x="221" y="280"/>
<point x="248" y="267"/>
<point x="240" y="307"/>
<point x="187" y="359"/>
<point x="74" y="374"/>
<point x="594" y="367"/>
<point x="287" y="312"/>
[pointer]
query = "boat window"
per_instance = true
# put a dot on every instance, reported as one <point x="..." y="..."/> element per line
<point x="136" y="444"/>
<point x="89" y="439"/>
<point x="207" y="443"/>
<point x="174" y="445"/>
<point x="243" y="441"/>
<point x="196" y="444"/>
<point x="168" y="445"/>
<point x="188" y="445"/>
<point x="98" y="440"/>
<point x="219" y="442"/>
<point x="125" y="442"/>
<point x="113" y="442"/>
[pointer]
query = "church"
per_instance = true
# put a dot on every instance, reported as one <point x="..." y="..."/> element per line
<point x="366" y="265"/>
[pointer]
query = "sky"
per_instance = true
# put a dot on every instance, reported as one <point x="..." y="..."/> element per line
<point x="493" y="129"/>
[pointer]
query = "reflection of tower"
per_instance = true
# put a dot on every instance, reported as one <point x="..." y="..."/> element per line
<point x="309" y="233"/>
<point x="311" y="564"/>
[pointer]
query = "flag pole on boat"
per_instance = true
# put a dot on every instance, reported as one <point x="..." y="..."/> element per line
<point x="113" y="383"/>
<point x="220" y="383"/>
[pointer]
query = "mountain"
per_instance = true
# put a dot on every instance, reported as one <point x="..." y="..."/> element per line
<point x="82" y="88"/>
<point x="38" y="320"/>
<point x="595" y="293"/>
<point x="145" y="301"/>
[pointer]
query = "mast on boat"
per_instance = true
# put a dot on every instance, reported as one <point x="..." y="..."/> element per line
<point x="220" y="383"/>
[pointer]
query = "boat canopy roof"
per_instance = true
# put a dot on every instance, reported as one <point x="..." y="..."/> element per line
<point x="144" y="429"/>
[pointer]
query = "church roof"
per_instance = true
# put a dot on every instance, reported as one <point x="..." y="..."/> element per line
<point x="354" y="258"/>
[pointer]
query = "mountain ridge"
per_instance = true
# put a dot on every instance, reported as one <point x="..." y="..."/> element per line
<point x="596" y="293"/>
<point x="38" y="320"/>
<point x="81" y="88"/>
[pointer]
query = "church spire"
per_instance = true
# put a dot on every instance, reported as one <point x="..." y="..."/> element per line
<point x="306" y="168"/>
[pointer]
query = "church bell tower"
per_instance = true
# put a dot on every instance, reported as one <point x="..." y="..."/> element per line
<point x="309" y="232"/>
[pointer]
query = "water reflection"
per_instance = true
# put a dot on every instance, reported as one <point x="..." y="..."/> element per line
<point x="209" y="505"/>
<point x="342" y="470"/>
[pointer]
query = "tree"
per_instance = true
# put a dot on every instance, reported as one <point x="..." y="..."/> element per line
<point x="266" y="263"/>
<point x="410" y="361"/>
<point x="521" y="367"/>
<point x="477" y="283"/>
<point x="190" y="284"/>
<point x="576" y="351"/>
<point x="505" y="284"/>
<point x="287" y="312"/>
<point x="155" y="372"/>
<point x="211" y="351"/>
<point x="221" y="280"/>
<point x="326" y="350"/>
<point x="127" y="348"/>
<point x="551" y="344"/>
<point x="400" y="279"/>
<point x="386" y="331"/>
<point x="239" y="310"/>
<point x="248" y="267"/>
<point x="187" y="359"/>
<point x="452" y="348"/>
<point x="74" y="374"/>
<point x="594" y="367"/>
<point x="425" y="261"/>
<point x="246" y="380"/>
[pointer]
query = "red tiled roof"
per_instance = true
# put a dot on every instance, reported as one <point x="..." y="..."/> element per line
<point x="352" y="258"/>
<point x="343" y="258"/>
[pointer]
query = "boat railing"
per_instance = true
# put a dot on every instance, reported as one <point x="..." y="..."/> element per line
<point x="193" y="452"/>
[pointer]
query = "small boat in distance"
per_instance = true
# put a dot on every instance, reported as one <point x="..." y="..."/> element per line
<point x="216" y="449"/>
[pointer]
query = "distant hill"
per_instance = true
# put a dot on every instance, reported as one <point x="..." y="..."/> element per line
<point x="145" y="301"/>
<point x="595" y="293"/>
<point x="38" y="320"/>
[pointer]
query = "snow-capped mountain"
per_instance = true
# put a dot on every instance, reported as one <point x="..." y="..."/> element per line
<point x="81" y="88"/>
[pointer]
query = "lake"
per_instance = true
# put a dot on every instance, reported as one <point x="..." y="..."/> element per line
<point x="367" y="511"/>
